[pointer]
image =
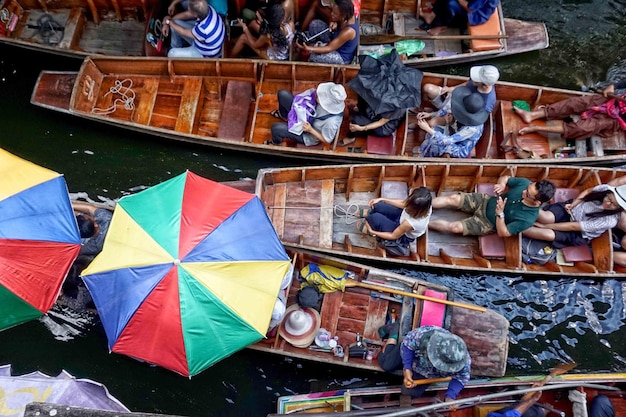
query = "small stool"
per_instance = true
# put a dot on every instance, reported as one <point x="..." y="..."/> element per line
<point x="380" y="145"/>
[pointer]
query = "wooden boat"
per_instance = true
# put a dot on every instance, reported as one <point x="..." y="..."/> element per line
<point x="84" y="27"/>
<point x="496" y="38"/>
<point x="365" y="306"/>
<point x="310" y="208"/>
<point x="478" y="398"/>
<point x="228" y="104"/>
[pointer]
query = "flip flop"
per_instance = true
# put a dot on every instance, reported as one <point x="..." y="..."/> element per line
<point x="361" y="227"/>
<point x="276" y="114"/>
<point x="346" y="141"/>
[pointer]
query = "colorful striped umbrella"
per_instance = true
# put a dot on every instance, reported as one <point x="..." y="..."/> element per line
<point x="189" y="274"/>
<point x="39" y="239"/>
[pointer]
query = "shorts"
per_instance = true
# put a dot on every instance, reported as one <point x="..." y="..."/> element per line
<point x="477" y="224"/>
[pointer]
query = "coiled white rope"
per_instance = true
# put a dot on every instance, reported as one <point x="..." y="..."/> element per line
<point x="127" y="97"/>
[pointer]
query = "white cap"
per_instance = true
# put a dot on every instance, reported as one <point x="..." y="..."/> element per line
<point x="485" y="74"/>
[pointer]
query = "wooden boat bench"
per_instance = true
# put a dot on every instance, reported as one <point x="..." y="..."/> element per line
<point x="490" y="28"/>
<point x="192" y="90"/>
<point x="73" y="28"/>
<point x="236" y="109"/>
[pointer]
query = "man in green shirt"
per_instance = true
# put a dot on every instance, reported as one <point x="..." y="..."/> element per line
<point x="507" y="213"/>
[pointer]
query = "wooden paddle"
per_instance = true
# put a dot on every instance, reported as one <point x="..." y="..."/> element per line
<point x="560" y="369"/>
<point x="389" y="38"/>
<point x="353" y="283"/>
<point x="425" y="381"/>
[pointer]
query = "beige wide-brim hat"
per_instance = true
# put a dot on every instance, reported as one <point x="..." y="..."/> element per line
<point x="300" y="325"/>
<point x="332" y="97"/>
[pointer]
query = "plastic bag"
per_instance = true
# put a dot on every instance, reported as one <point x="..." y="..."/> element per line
<point x="302" y="109"/>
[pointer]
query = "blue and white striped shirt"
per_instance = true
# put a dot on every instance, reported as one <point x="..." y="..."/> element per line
<point x="209" y="35"/>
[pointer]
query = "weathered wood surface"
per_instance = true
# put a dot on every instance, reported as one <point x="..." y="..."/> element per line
<point x="58" y="410"/>
<point x="187" y="100"/>
<point x="356" y="185"/>
<point x="356" y="310"/>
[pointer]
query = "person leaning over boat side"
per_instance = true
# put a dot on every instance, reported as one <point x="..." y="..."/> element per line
<point x="392" y="219"/>
<point x="508" y="214"/>
<point x="364" y="122"/>
<point x="205" y="35"/>
<point x="601" y="406"/>
<point x="325" y="124"/>
<point x="599" y="115"/>
<point x="465" y="123"/>
<point x="457" y="13"/>
<point x="578" y="221"/>
<point x="275" y="35"/>
<point x="482" y="81"/>
<point x="340" y="44"/>
<point x="93" y="224"/>
<point x="433" y="352"/>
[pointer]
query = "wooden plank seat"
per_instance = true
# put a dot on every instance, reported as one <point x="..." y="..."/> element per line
<point x="192" y="90"/>
<point x="380" y="145"/>
<point x="490" y="28"/>
<point x="236" y="109"/>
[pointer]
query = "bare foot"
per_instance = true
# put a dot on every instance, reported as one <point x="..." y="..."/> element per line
<point x="428" y="17"/>
<point x="523" y="114"/>
<point x="527" y="129"/>
<point x="437" y="30"/>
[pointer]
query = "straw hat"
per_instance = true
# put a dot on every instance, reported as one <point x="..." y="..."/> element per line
<point x="300" y="325"/>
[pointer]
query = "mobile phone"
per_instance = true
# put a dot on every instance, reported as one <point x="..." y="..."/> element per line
<point x="234" y="22"/>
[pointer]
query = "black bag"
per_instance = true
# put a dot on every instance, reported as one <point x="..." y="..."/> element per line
<point x="396" y="247"/>
<point x="537" y="252"/>
<point x="309" y="297"/>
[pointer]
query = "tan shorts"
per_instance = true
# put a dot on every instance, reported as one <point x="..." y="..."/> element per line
<point x="478" y="224"/>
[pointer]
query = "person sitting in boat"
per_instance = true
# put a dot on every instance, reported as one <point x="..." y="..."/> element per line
<point x="323" y="124"/>
<point x="463" y="126"/>
<point x="337" y="42"/>
<point x="426" y="352"/>
<point x="578" y="221"/>
<point x="220" y="6"/>
<point x="482" y="81"/>
<point x="391" y="219"/>
<point x="456" y="13"/>
<point x="275" y="35"/>
<point x="321" y="9"/>
<point x="364" y="122"/>
<point x="599" y="115"/>
<point x="205" y="35"/>
<point x="506" y="214"/>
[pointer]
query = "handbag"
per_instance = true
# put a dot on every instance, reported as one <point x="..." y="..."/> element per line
<point x="396" y="247"/>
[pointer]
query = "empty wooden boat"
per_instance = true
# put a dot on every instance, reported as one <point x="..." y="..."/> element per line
<point x="84" y="27"/>
<point x="313" y="208"/>
<point x="228" y="104"/>
<point x="478" y="398"/>
<point x="366" y="304"/>
<point x="498" y="37"/>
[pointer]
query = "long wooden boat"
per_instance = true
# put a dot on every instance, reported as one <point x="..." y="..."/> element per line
<point x="310" y="208"/>
<point x="366" y="305"/>
<point x="478" y="398"/>
<point x="78" y="28"/>
<point x="496" y="38"/>
<point x="228" y="104"/>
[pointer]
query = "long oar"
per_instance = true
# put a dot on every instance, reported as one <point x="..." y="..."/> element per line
<point x="425" y="381"/>
<point x="560" y="369"/>
<point x="353" y="283"/>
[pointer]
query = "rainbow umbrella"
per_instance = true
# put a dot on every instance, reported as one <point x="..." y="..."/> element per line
<point x="39" y="239"/>
<point x="189" y="274"/>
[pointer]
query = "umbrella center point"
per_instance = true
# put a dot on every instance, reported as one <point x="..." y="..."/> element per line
<point x="176" y="261"/>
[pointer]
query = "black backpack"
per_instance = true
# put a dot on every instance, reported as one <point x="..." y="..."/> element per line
<point x="537" y="252"/>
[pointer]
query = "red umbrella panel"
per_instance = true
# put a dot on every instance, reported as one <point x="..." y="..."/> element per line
<point x="189" y="273"/>
<point x="39" y="239"/>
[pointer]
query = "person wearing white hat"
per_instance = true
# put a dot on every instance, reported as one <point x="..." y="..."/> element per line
<point x="325" y="122"/>
<point x="482" y="81"/>
<point x="578" y="221"/>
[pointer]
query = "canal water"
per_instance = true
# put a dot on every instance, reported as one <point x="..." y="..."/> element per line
<point x="551" y="321"/>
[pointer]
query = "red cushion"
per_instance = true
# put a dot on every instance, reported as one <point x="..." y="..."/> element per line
<point x="577" y="254"/>
<point x="433" y="313"/>
<point x="380" y="145"/>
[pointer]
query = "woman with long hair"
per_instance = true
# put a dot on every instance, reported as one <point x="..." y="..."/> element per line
<point x="578" y="221"/>
<point x="275" y="35"/>
<point x="392" y="219"/>
<point x="337" y="42"/>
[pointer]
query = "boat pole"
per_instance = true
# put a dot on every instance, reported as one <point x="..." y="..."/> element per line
<point x="353" y="283"/>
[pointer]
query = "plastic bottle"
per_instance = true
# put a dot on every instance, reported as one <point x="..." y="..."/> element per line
<point x="394" y="315"/>
<point x="359" y="340"/>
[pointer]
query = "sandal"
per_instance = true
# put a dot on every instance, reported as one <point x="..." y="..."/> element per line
<point x="346" y="141"/>
<point x="361" y="227"/>
<point x="363" y="212"/>
<point x="276" y="114"/>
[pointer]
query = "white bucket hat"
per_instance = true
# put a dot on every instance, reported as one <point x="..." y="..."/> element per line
<point x="300" y="325"/>
<point x="332" y="97"/>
